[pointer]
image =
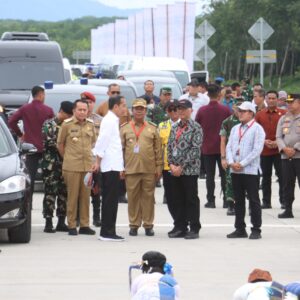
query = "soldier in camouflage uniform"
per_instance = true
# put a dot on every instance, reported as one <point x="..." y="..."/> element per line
<point x="226" y="127"/>
<point x="158" y="113"/>
<point x="52" y="171"/>
<point x="247" y="92"/>
<point x="96" y="188"/>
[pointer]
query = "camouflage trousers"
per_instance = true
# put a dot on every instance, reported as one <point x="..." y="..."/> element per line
<point x="228" y="187"/>
<point x="55" y="189"/>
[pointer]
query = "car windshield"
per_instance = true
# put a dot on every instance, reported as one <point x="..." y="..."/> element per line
<point x="176" y="92"/>
<point x="54" y="99"/>
<point x="5" y="148"/>
<point x="25" y="75"/>
<point x="182" y="77"/>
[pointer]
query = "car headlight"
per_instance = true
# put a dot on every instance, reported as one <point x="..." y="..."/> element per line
<point x="11" y="214"/>
<point x="13" y="184"/>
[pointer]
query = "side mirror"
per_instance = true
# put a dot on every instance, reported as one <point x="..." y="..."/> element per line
<point x="27" y="148"/>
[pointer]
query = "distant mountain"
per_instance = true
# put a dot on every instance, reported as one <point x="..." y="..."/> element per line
<point x="56" y="10"/>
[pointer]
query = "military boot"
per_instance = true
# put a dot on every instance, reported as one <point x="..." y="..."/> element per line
<point x="49" y="226"/>
<point x="61" y="226"/>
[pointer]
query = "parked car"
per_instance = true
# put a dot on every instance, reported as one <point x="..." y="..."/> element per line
<point x="128" y="89"/>
<point x="159" y="82"/>
<point x="15" y="195"/>
<point x="71" y="92"/>
<point x="135" y="73"/>
<point x="27" y="59"/>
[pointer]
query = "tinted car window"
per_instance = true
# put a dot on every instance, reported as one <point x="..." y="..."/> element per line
<point x="182" y="77"/>
<point x="5" y="148"/>
<point x="25" y="75"/>
<point x="129" y="94"/>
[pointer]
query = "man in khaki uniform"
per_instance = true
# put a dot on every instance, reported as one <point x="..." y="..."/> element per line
<point x="75" y="141"/>
<point x="143" y="166"/>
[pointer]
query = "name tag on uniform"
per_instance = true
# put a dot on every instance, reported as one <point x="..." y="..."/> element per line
<point x="136" y="148"/>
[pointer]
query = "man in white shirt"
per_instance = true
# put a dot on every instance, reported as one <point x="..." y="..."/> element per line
<point x="198" y="100"/>
<point x="108" y="150"/>
<point x="245" y="144"/>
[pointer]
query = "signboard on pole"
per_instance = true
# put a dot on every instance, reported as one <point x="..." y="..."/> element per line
<point x="261" y="31"/>
<point x="253" y="56"/>
<point x="205" y="30"/>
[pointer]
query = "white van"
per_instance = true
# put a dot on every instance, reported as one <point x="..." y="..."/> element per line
<point x="177" y="66"/>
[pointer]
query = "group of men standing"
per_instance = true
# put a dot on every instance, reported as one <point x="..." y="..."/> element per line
<point x="85" y="154"/>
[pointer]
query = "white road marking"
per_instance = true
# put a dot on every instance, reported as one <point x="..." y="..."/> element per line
<point x="209" y="225"/>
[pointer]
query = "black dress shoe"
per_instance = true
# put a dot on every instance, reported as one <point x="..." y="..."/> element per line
<point x="210" y="204"/>
<point x="191" y="235"/>
<point x="177" y="234"/>
<point x="255" y="235"/>
<point x="86" y="230"/>
<point x="225" y="204"/>
<point x="173" y="230"/>
<point x="230" y="211"/>
<point x="237" y="234"/>
<point x="73" y="231"/>
<point x="287" y="214"/>
<point x="266" y="205"/>
<point x="149" y="232"/>
<point x="133" y="231"/>
<point x="97" y="223"/>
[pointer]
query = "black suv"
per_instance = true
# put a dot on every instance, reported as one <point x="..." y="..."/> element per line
<point x="15" y="197"/>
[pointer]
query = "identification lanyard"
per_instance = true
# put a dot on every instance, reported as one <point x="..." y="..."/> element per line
<point x="241" y="135"/>
<point x="138" y="133"/>
<point x="136" y="148"/>
<point x="179" y="132"/>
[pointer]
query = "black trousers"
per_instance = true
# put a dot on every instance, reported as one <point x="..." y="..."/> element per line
<point x="32" y="164"/>
<point x="210" y="168"/>
<point x="242" y="183"/>
<point x="290" y="171"/>
<point x="122" y="188"/>
<point x="110" y="193"/>
<point x="167" y="183"/>
<point x="267" y="163"/>
<point x="186" y="203"/>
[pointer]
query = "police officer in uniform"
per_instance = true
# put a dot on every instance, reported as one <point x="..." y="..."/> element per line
<point x="288" y="141"/>
<point x="143" y="167"/>
<point x="75" y="142"/>
<point x="52" y="170"/>
<point x="95" y="191"/>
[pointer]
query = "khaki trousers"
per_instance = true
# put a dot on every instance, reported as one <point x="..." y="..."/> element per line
<point x="140" y="191"/>
<point x="78" y="193"/>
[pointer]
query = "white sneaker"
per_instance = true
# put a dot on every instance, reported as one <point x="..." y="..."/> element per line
<point x="112" y="238"/>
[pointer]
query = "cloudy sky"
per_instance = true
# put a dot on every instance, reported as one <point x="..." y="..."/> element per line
<point x="134" y="4"/>
<point x="56" y="10"/>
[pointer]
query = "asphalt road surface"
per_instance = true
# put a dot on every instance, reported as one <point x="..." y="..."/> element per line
<point x="61" y="267"/>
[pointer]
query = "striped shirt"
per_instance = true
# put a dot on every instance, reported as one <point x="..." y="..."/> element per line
<point x="245" y="145"/>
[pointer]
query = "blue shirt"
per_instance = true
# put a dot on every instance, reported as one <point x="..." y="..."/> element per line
<point x="245" y="145"/>
<point x="229" y="104"/>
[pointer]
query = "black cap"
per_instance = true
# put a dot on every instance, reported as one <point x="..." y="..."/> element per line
<point x="172" y="104"/>
<point x="194" y="83"/>
<point x="154" y="259"/>
<point x="67" y="107"/>
<point x="185" y="103"/>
